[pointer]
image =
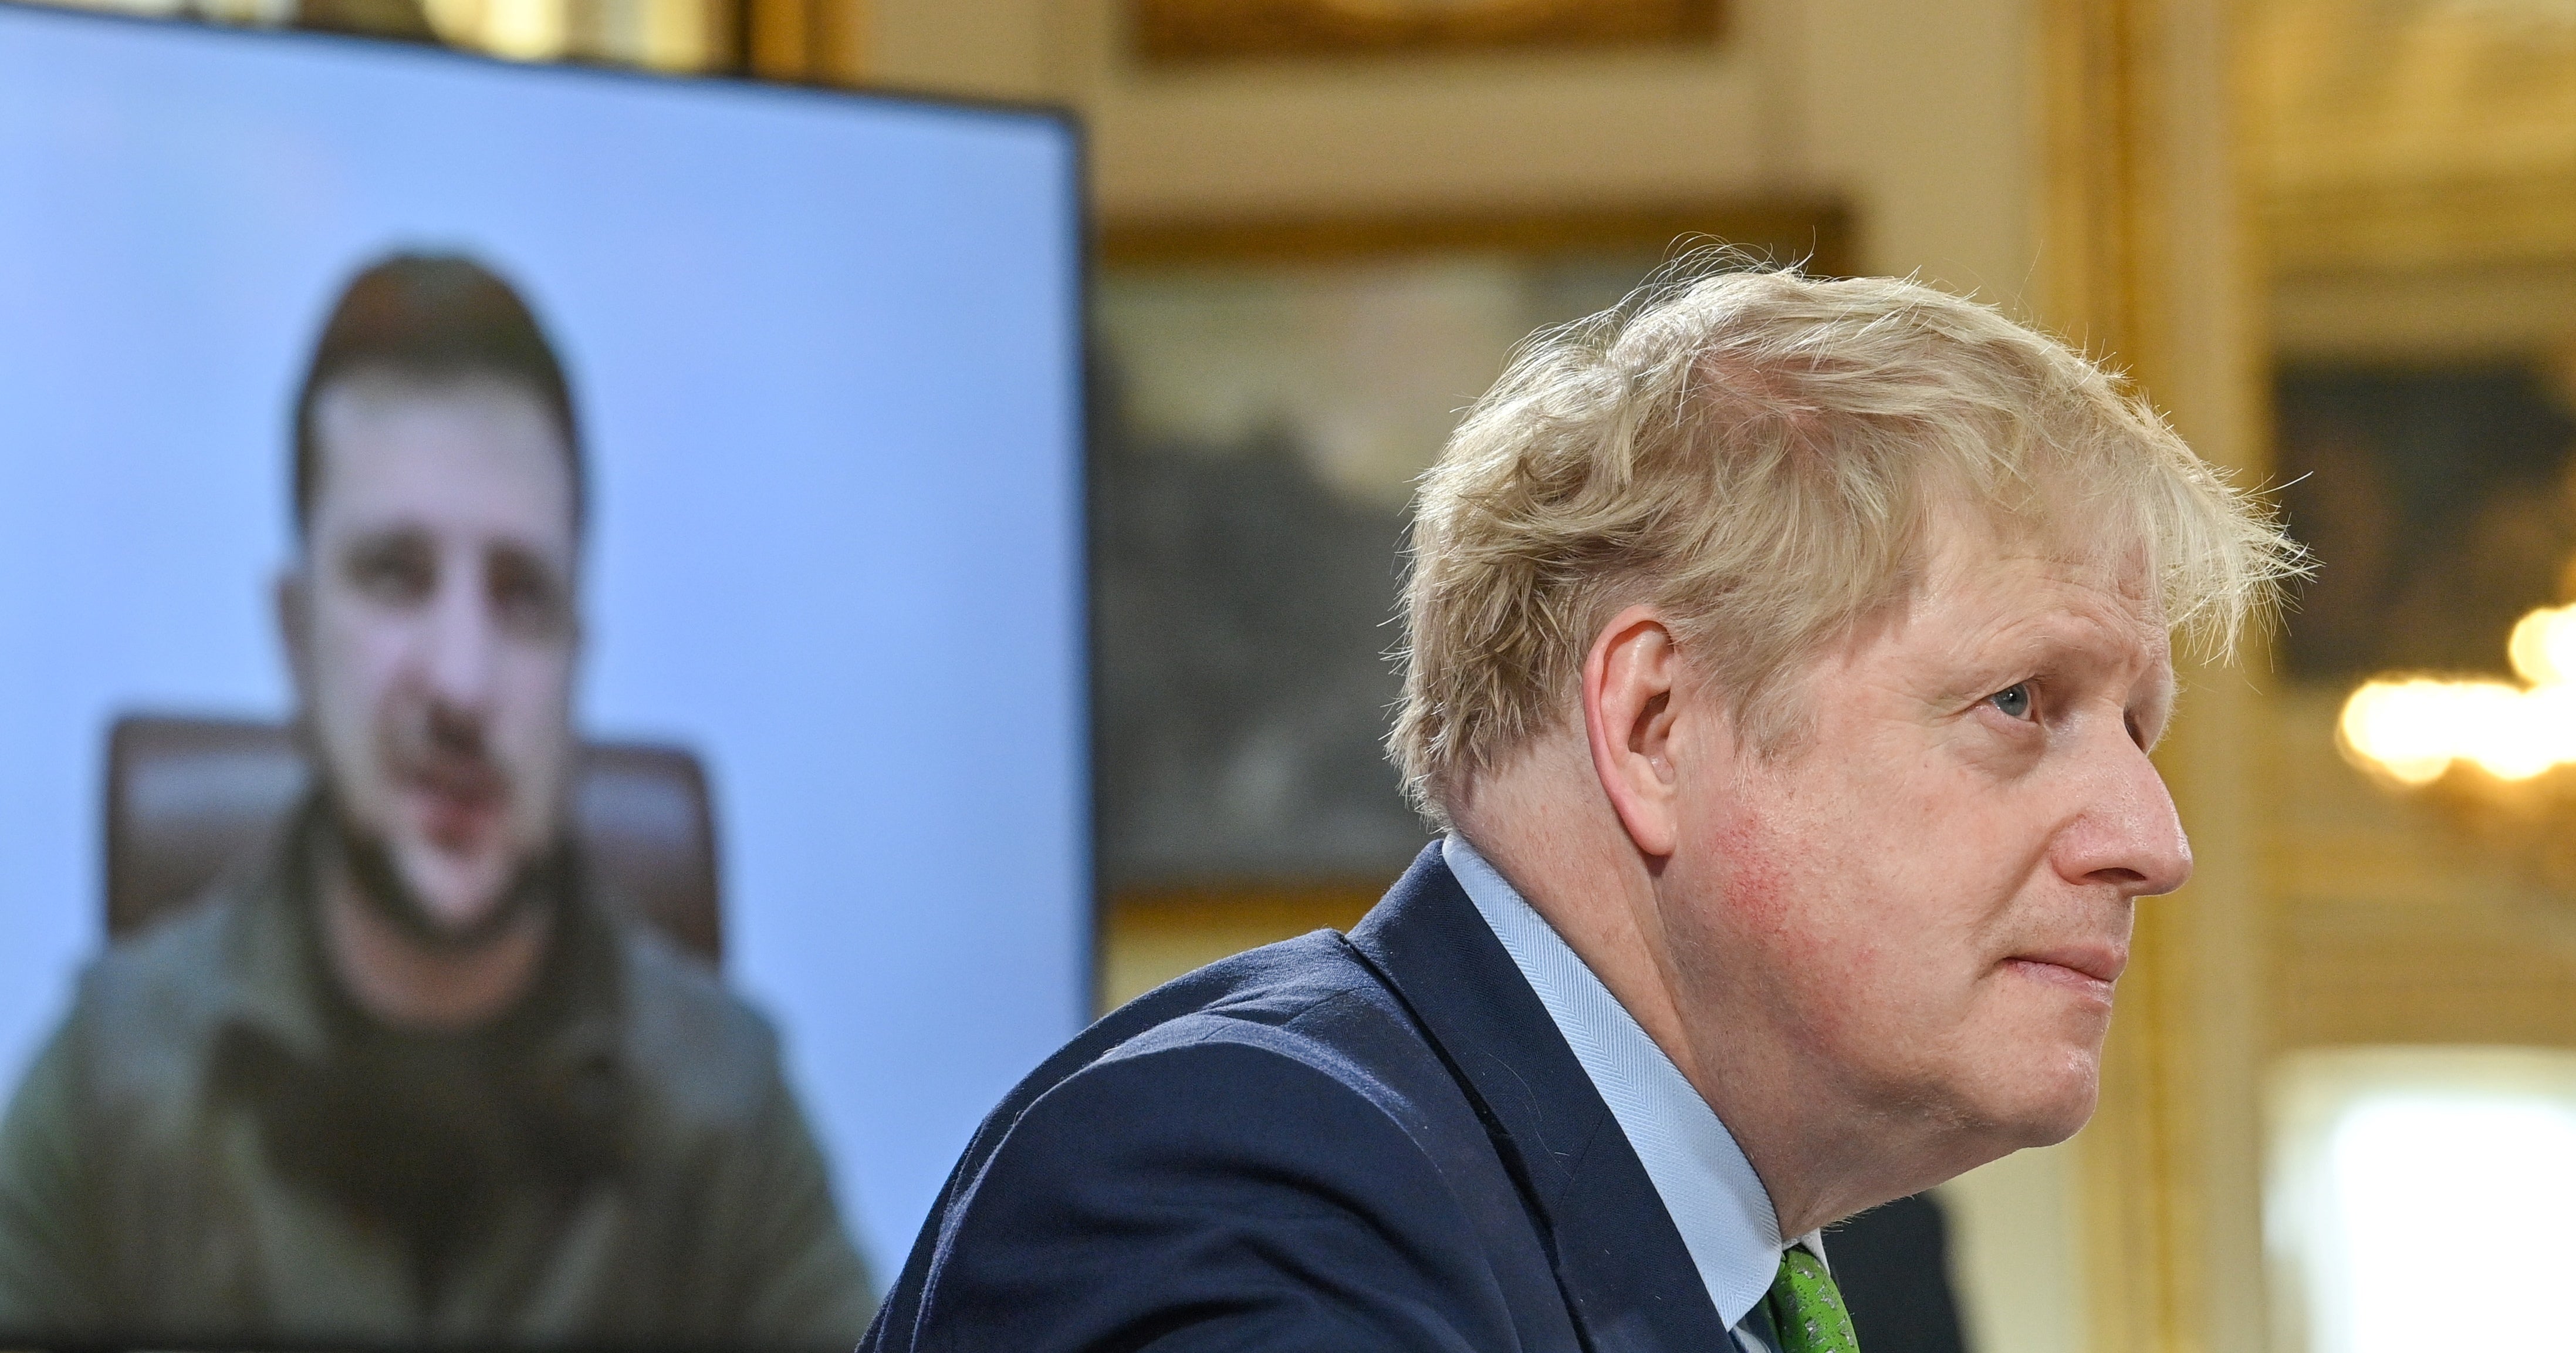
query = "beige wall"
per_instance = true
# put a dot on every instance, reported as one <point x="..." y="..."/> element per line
<point x="1917" y="116"/>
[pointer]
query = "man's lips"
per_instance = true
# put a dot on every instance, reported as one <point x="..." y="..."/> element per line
<point x="458" y="804"/>
<point x="460" y="778"/>
<point x="2091" y="968"/>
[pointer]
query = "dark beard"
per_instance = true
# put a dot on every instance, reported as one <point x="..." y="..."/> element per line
<point x="383" y="890"/>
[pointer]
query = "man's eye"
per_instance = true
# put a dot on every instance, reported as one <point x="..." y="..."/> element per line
<point x="527" y="594"/>
<point x="2013" y="700"/>
<point x="396" y="572"/>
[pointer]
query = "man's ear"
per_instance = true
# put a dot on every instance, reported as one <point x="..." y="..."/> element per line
<point x="1629" y="683"/>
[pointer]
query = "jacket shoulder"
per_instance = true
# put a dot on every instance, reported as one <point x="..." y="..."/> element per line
<point x="1271" y="985"/>
<point x="696" y="1047"/>
<point x="147" y="1009"/>
<point x="1306" y="1003"/>
<point x="1265" y="1154"/>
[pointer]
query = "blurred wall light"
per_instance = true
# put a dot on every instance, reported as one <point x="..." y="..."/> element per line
<point x="677" y="35"/>
<point x="2405" y="1181"/>
<point x="2415" y="729"/>
<point x="522" y="30"/>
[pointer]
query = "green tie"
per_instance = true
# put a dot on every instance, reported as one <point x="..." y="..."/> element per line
<point x="1808" y="1309"/>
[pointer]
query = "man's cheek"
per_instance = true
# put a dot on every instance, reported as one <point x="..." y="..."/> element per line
<point x="358" y="676"/>
<point x="1759" y="856"/>
<point x="540" y="756"/>
<point x="351" y="750"/>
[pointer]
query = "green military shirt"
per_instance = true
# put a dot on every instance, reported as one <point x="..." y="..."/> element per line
<point x="218" y="1146"/>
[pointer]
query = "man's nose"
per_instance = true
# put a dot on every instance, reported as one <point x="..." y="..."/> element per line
<point x="2129" y="835"/>
<point x="462" y="641"/>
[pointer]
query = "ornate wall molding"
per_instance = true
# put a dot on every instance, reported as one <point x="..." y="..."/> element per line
<point x="2144" y="262"/>
<point x="1190" y="30"/>
<point x="2413" y="133"/>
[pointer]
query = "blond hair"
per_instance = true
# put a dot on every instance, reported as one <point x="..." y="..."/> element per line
<point x="1755" y="453"/>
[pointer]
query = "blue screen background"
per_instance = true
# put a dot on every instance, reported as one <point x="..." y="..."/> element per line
<point x="827" y="351"/>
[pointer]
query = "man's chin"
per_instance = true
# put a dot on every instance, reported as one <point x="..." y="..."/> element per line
<point x="2049" y="1109"/>
<point x="443" y="901"/>
<point x="2052" y="1128"/>
<point x="452" y="899"/>
<point x="2026" y="1091"/>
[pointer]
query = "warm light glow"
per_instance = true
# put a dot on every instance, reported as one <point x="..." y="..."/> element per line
<point x="2416" y="729"/>
<point x="664" y="34"/>
<point x="2543" y="647"/>
<point x="524" y="30"/>
<point x="2403" y="727"/>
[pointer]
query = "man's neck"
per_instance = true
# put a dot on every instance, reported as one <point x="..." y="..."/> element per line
<point x="1570" y="860"/>
<point x="395" y="978"/>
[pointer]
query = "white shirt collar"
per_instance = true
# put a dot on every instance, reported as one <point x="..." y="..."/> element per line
<point x="1716" y="1200"/>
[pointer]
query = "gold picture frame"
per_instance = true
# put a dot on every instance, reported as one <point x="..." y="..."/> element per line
<point x="1818" y="233"/>
<point x="1197" y="30"/>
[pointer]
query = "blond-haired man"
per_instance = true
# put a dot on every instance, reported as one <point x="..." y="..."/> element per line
<point x="1785" y="658"/>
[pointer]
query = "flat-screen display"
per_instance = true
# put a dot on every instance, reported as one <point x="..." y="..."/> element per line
<point x="543" y="772"/>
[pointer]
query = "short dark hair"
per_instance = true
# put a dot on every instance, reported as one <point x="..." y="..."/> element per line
<point x="432" y="317"/>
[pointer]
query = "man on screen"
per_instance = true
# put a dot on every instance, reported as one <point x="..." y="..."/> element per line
<point x="408" y="1081"/>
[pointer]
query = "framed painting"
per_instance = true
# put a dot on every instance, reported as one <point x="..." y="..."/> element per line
<point x="1266" y="391"/>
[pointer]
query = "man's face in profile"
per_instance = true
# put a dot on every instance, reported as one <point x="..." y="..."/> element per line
<point x="433" y="632"/>
<point x="1929" y="894"/>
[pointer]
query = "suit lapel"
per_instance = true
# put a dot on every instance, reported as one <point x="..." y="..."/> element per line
<point x="1619" y="1262"/>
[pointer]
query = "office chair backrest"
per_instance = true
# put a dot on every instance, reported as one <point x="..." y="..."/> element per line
<point x="187" y="798"/>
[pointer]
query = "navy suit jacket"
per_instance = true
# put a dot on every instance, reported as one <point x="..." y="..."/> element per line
<point x="1338" y="1143"/>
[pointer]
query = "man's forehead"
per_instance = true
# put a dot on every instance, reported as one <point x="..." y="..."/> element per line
<point x="471" y="448"/>
<point x="1998" y="588"/>
<point x="1965" y="547"/>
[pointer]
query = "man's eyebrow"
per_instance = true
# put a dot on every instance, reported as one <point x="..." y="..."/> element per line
<point x="379" y="537"/>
